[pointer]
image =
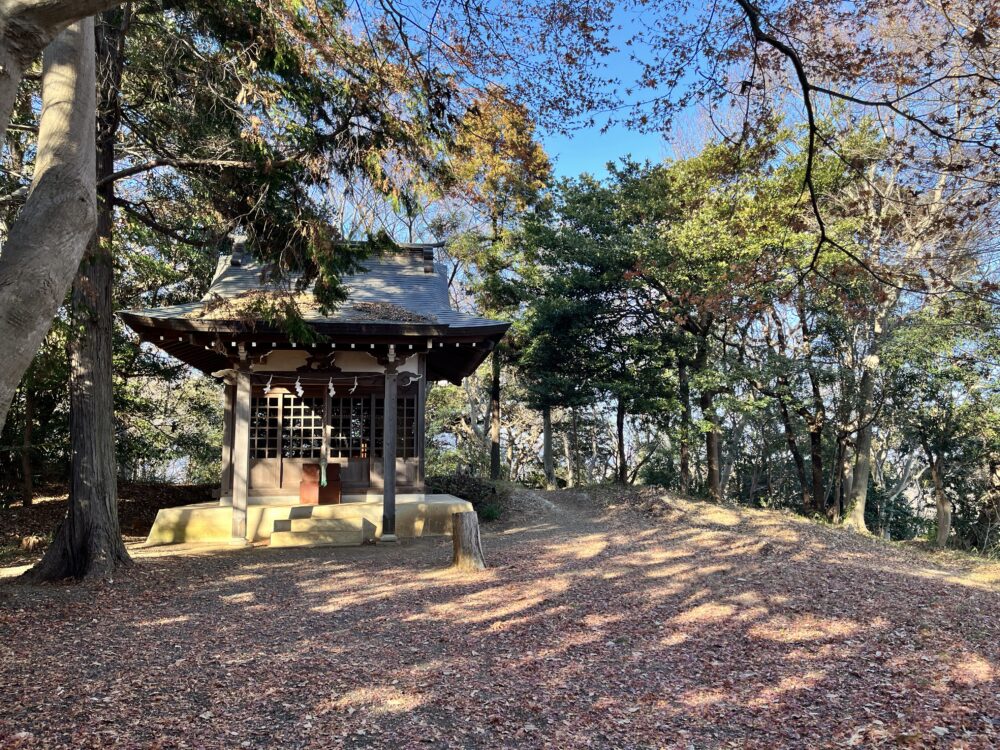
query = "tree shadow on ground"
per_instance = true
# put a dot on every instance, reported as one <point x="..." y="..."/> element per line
<point x="713" y="628"/>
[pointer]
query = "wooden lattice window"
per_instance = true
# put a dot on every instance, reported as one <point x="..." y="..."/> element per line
<point x="350" y="425"/>
<point x="406" y="426"/>
<point x="265" y="415"/>
<point x="302" y="427"/>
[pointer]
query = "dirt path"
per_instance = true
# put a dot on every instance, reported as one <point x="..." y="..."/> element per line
<point x="708" y="628"/>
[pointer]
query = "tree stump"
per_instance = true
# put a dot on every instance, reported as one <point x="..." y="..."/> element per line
<point x="468" y="551"/>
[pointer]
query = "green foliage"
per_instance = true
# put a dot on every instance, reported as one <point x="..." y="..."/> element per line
<point x="455" y="443"/>
<point x="895" y="518"/>
<point x="490" y="512"/>
<point x="486" y="497"/>
<point x="660" y="470"/>
<point x="279" y="119"/>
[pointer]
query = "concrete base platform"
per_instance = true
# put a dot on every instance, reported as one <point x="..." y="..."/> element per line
<point x="416" y="515"/>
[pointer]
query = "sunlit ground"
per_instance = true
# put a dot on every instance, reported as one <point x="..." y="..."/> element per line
<point x="713" y="628"/>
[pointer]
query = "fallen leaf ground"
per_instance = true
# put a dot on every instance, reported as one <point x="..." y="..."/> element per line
<point x="704" y="627"/>
<point x="137" y="507"/>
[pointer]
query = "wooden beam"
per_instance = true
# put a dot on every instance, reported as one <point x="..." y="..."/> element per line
<point x="389" y="454"/>
<point x="241" y="456"/>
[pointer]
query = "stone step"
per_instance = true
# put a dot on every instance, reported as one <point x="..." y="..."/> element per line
<point x="316" y="538"/>
<point x="320" y="524"/>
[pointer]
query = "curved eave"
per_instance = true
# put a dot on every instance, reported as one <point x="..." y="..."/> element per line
<point x="187" y="339"/>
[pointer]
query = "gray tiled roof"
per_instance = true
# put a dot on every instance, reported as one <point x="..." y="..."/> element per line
<point x="397" y="280"/>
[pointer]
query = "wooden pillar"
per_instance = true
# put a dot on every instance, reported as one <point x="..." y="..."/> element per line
<point x="241" y="456"/>
<point x="229" y="399"/>
<point x="389" y="452"/>
<point x="327" y="410"/>
<point x="421" y="427"/>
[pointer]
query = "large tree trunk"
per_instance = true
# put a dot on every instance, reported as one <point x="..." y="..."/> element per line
<point x="26" y="28"/>
<point x="51" y="233"/>
<point x="547" y="463"/>
<point x="89" y="543"/>
<point x="495" y="416"/>
<point x="622" y="477"/>
<point x="684" y="389"/>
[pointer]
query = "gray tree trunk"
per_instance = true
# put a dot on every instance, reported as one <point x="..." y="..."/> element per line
<point x="26" y="28"/>
<point x="854" y="510"/>
<point x="89" y="543"/>
<point x="570" y="464"/>
<point x="51" y="233"/>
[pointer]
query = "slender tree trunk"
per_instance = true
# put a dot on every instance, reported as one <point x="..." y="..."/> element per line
<point x="620" y="427"/>
<point x="733" y="449"/>
<point x="89" y="543"/>
<point x="816" y="467"/>
<point x="835" y="508"/>
<point x="684" y="389"/>
<point x="595" y="452"/>
<point x="797" y="459"/>
<point x="52" y="230"/>
<point x="705" y="400"/>
<point x="27" y="487"/>
<point x="547" y="463"/>
<point x="841" y="480"/>
<point x="568" y="453"/>
<point x="941" y="501"/>
<point x="495" y="416"/>
<point x="817" y="419"/>
<point x="854" y="511"/>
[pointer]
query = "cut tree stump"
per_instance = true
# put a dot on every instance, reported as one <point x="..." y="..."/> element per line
<point x="468" y="551"/>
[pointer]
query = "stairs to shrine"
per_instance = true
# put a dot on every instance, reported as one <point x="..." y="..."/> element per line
<point x="321" y="532"/>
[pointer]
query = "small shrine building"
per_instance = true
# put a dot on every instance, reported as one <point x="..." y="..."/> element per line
<point x="347" y="406"/>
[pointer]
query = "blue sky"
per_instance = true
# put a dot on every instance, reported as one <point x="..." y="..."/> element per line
<point x="589" y="150"/>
